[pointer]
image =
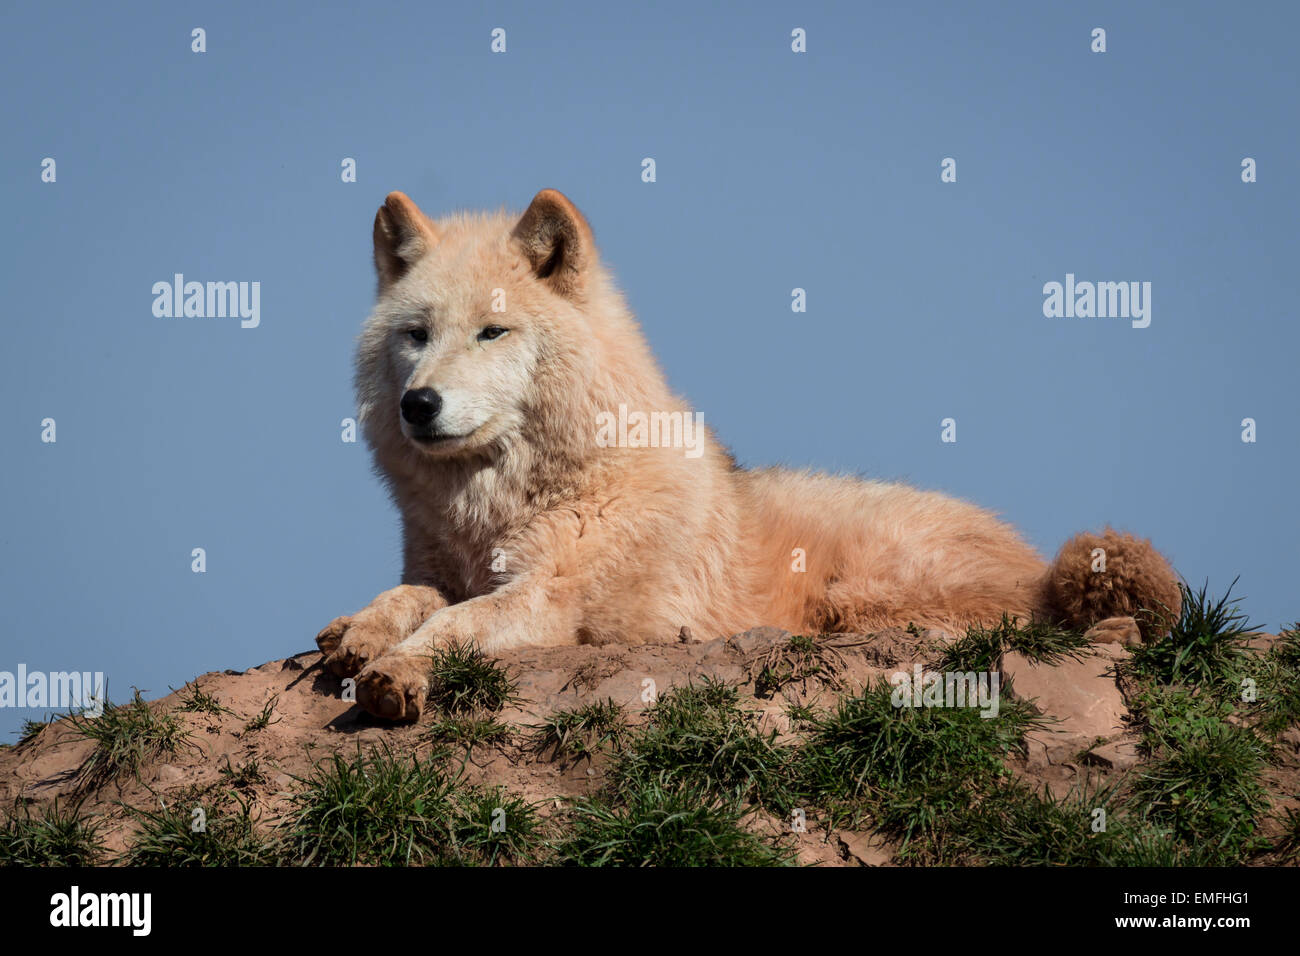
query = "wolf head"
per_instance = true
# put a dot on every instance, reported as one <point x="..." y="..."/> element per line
<point x="489" y="331"/>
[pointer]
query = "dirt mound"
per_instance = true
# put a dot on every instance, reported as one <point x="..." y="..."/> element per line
<point x="258" y="732"/>
<point x="266" y="726"/>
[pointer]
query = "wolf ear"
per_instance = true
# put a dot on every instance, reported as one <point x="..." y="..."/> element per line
<point x="402" y="235"/>
<point x="557" y="242"/>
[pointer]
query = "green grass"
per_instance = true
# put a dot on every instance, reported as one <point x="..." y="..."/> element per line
<point x="801" y="715"/>
<point x="981" y="648"/>
<point x="1206" y="789"/>
<point x="1205" y="645"/>
<point x="1169" y="717"/>
<point x="1286" y="652"/>
<point x="224" y="835"/>
<point x="1018" y="825"/>
<point x="581" y="733"/>
<point x="467" y="731"/>
<point x="911" y="769"/>
<point x="1199" y="797"/>
<point x="699" y="736"/>
<point x="681" y="785"/>
<point x="658" y="825"/>
<point x="1203" y="785"/>
<point x="463" y="680"/>
<point x="263" y="718"/>
<point x="494" y="826"/>
<point x="386" y="810"/>
<point x="1287" y="846"/>
<point x="934" y="779"/>
<point x="1276" y="677"/>
<point x="194" y="700"/>
<point x="127" y="737"/>
<point x="55" y="837"/>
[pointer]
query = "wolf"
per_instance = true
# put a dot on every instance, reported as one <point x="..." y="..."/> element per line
<point x="498" y="351"/>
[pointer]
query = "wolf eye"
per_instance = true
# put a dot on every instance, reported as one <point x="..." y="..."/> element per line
<point x="492" y="332"/>
<point x="419" y="335"/>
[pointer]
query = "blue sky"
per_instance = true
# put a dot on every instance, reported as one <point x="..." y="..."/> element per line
<point x="774" y="171"/>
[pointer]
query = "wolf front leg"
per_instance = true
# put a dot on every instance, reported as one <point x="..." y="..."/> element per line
<point x="349" y="643"/>
<point x="396" y="685"/>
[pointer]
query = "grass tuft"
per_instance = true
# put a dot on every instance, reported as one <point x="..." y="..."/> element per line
<point x="912" y="769"/>
<point x="127" y="737"/>
<point x="982" y="648"/>
<point x="1206" y="789"/>
<point x="1287" y="845"/>
<point x="200" y="831"/>
<point x="384" y="810"/>
<point x="195" y="700"/>
<point x="660" y="825"/>
<point x="699" y="736"/>
<point x="464" y="680"/>
<point x="263" y="718"/>
<point x="1276" y="677"/>
<point x="582" y="732"/>
<point x="1206" y="645"/>
<point x="467" y="731"/>
<point x="55" y="837"/>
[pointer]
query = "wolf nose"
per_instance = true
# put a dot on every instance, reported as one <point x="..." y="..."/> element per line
<point x="420" y="406"/>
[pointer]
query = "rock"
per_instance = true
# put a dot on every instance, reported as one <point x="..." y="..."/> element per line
<point x="627" y="688"/>
<point x="758" y="637"/>
<point x="1262" y="643"/>
<point x="1080" y="695"/>
<point x="168" y="774"/>
<point x="1036" y="752"/>
<point x="711" y="651"/>
<point x="1114" y="652"/>
<point x="1117" y="755"/>
<point x="868" y="849"/>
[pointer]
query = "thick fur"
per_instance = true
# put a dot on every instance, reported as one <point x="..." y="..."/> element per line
<point x="1137" y="582"/>
<point x="521" y="527"/>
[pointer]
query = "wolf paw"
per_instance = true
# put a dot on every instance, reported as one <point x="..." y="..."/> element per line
<point x="1115" y="630"/>
<point x="350" y="643"/>
<point x="330" y="636"/>
<point x="394" y="687"/>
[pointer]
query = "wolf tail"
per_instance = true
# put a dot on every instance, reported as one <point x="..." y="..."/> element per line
<point x="1107" y="575"/>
